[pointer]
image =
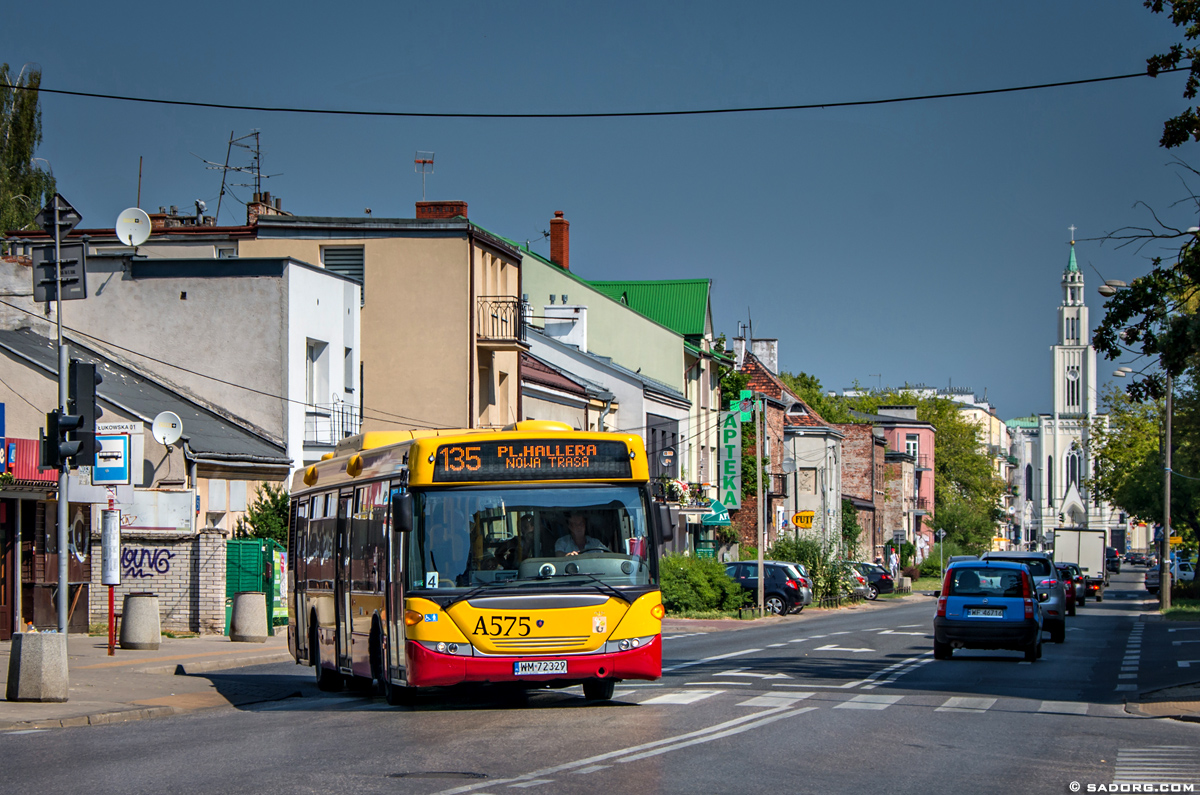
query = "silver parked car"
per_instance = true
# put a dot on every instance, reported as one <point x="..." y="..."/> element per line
<point x="1047" y="580"/>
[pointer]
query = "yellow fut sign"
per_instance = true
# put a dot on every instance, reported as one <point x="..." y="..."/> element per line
<point x="803" y="519"/>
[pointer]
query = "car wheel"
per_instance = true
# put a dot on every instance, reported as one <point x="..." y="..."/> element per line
<point x="327" y="680"/>
<point x="872" y="592"/>
<point x="1079" y="601"/>
<point x="776" y="606"/>
<point x="797" y="608"/>
<point x="942" y="651"/>
<point x="1099" y="596"/>
<point x="1071" y="608"/>
<point x="1033" y="651"/>
<point x="599" y="689"/>
<point x="1058" y="632"/>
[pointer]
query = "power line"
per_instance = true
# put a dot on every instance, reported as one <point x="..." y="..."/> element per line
<point x="594" y="114"/>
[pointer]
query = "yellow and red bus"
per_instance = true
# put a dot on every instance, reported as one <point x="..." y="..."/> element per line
<point x="528" y="555"/>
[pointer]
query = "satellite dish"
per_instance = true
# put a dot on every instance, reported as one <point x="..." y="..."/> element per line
<point x="167" y="428"/>
<point x="133" y="227"/>
<point x="789" y="465"/>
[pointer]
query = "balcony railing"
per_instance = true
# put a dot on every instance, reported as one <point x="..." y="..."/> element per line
<point x="922" y="503"/>
<point x="779" y="485"/>
<point x="329" y="423"/>
<point x="923" y="462"/>
<point x="499" y="318"/>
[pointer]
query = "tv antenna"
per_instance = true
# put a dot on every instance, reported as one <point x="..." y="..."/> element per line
<point x="253" y="170"/>
<point x="423" y="164"/>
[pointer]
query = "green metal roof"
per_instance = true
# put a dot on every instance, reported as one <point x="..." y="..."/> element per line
<point x="1022" y="422"/>
<point x="679" y="304"/>
<point x="1071" y="266"/>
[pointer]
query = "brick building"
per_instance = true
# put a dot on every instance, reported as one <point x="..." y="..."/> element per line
<point x="863" y="450"/>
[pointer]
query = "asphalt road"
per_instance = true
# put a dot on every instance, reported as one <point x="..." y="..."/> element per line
<point x="850" y="701"/>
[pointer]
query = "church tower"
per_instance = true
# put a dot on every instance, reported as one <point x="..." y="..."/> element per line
<point x="1073" y="356"/>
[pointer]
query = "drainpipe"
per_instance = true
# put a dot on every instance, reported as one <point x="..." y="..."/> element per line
<point x="604" y="412"/>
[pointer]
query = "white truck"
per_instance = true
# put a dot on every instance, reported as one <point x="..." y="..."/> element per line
<point x="1085" y="548"/>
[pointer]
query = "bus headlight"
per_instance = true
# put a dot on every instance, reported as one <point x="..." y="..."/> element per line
<point x="623" y="645"/>
<point x="441" y="647"/>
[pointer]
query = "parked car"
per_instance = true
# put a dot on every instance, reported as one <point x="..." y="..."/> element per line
<point x="878" y="579"/>
<point x="1046" y="578"/>
<point x="1075" y="582"/>
<point x="988" y="604"/>
<point x="1183" y="570"/>
<point x="1153" y="580"/>
<point x="1112" y="561"/>
<point x="855" y="582"/>
<point x="786" y="590"/>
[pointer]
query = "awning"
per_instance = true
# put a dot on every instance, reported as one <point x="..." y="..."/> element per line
<point x="717" y="516"/>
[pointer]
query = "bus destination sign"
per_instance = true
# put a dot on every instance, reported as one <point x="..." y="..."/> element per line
<point x="530" y="459"/>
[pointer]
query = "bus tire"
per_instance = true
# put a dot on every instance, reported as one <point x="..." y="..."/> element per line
<point x="599" y="689"/>
<point x="327" y="680"/>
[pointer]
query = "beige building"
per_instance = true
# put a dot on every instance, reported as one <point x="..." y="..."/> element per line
<point x="441" y="315"/>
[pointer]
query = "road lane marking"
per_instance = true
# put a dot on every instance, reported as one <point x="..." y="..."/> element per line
<point x="1161" y="764"/>
<point x="963" y="704"/>
<point x="537" y="782"/>
<point x="1063" y="708"/>
<point x="718" y="735"/>
<point x="682" y="697"/>
<point x="592" y="769"/>
<point x="728" y="684"/>
<point x="835" y="647"/>
<point x="1124" y="688"/>
<point x="894" y="632"/>
<point x="707" y="734"/>
<point x="744" y="672"/>
<point x="869" y="702"/>
<point x="690" y="663"/>
<point x="774" y="700"/>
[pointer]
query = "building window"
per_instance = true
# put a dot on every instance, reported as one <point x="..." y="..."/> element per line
<point x="912" y="444"/>
<point x="1029" y="481"/>
<point x="348" y="371"/>
<point x="806" y="481"/>
<point x="1072" y="387"/>
<point x="1050" y="480"/>
<point x="316" y="373"/>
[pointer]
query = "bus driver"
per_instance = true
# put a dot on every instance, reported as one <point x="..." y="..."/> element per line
<point x="577" y="540"/>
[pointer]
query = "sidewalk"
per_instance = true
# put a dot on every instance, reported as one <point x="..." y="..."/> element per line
<point x="134" y="685"/>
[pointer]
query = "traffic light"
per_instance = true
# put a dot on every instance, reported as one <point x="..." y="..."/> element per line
<point x="82" y="380"/>
<point x="57" y="450"/>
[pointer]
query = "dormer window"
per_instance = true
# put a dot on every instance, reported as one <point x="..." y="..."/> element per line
<point x="797" y="410"/>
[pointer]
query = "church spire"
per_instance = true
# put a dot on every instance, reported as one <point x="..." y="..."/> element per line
<point x="1072" y="266"/>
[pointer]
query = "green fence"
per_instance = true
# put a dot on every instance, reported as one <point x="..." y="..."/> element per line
<point x="256" y="564"/>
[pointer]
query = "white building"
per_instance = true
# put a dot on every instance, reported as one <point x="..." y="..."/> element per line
<point x="1053" y="450"/>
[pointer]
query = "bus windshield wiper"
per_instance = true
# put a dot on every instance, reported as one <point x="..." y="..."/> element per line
<point x="478" y="589"/>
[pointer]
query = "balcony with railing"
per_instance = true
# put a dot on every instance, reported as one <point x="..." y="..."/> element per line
<point x="778" y="484"/>
<point x="923" y="463"/>
<point x="329" y="423"/>
<point x="921" y="504"/>
<point x="499" y="322"/>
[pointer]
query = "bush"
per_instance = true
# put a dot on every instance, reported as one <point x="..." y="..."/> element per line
<point x="691" y="584"/>
<point x="829" y="574"/>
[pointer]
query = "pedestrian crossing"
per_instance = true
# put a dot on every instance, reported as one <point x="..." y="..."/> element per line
<point x="965" y="705"/>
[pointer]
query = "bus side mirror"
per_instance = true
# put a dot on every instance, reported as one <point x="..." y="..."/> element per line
<point x="668" y="519"/>
<point x="402" y="512"/>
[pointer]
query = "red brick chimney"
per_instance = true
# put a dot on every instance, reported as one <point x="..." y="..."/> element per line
<point x="560" y="241"/>
<point x="430" y="211"/>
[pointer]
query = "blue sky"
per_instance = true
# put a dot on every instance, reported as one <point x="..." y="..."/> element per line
<point x="920" y="241"/>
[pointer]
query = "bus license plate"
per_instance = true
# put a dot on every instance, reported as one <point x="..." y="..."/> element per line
<point x="986" y="612"/>
<point x="534" y="667"/>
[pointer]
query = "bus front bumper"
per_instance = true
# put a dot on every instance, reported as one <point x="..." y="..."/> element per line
<point x="428" y="668"/>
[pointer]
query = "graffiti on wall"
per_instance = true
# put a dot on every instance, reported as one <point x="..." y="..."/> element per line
<point x="141" y="563"/>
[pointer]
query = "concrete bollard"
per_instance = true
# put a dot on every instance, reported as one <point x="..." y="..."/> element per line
<point x="248" y="623"/>
<point x="903" y="584"/>
<point x="37" y="667"/>
<point x="140" y="627"/>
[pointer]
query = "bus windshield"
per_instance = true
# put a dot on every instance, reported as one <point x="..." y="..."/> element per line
<point x="495" y="537"/>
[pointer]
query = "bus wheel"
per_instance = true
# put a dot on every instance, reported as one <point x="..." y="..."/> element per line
<point x="599" y="689"/>
<point x="327" y="680"/>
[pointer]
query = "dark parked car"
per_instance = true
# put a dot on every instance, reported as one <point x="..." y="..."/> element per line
<point x="878" y="579"/>
<point x="786" y="589"/>
<point x="988" y="604"/>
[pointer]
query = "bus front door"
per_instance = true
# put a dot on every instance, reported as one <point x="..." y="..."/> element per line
<point x="342" y="588"/>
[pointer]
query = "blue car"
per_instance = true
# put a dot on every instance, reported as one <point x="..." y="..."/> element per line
<point x="988" y="604"/>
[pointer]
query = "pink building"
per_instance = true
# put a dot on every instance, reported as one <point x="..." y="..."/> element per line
<point x="907" y="435"/>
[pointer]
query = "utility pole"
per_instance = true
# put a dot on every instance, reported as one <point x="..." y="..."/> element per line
<point x="65" y="469"/>
<point x="759" y="423"/>
<point x="1164" y="561"/>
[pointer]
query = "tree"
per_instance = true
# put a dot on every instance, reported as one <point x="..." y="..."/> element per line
<point x="267" y="516"/>
<point x="1184" y="14"/>
<point x="24" y="186"/>
<point x="808" y="388"/>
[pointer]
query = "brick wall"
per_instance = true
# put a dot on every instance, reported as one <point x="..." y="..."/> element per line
<point x="186" y="572"/>
<point x="441" y="210"/>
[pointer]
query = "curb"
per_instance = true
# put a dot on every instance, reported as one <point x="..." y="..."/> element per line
<point x="96" y="719"/>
